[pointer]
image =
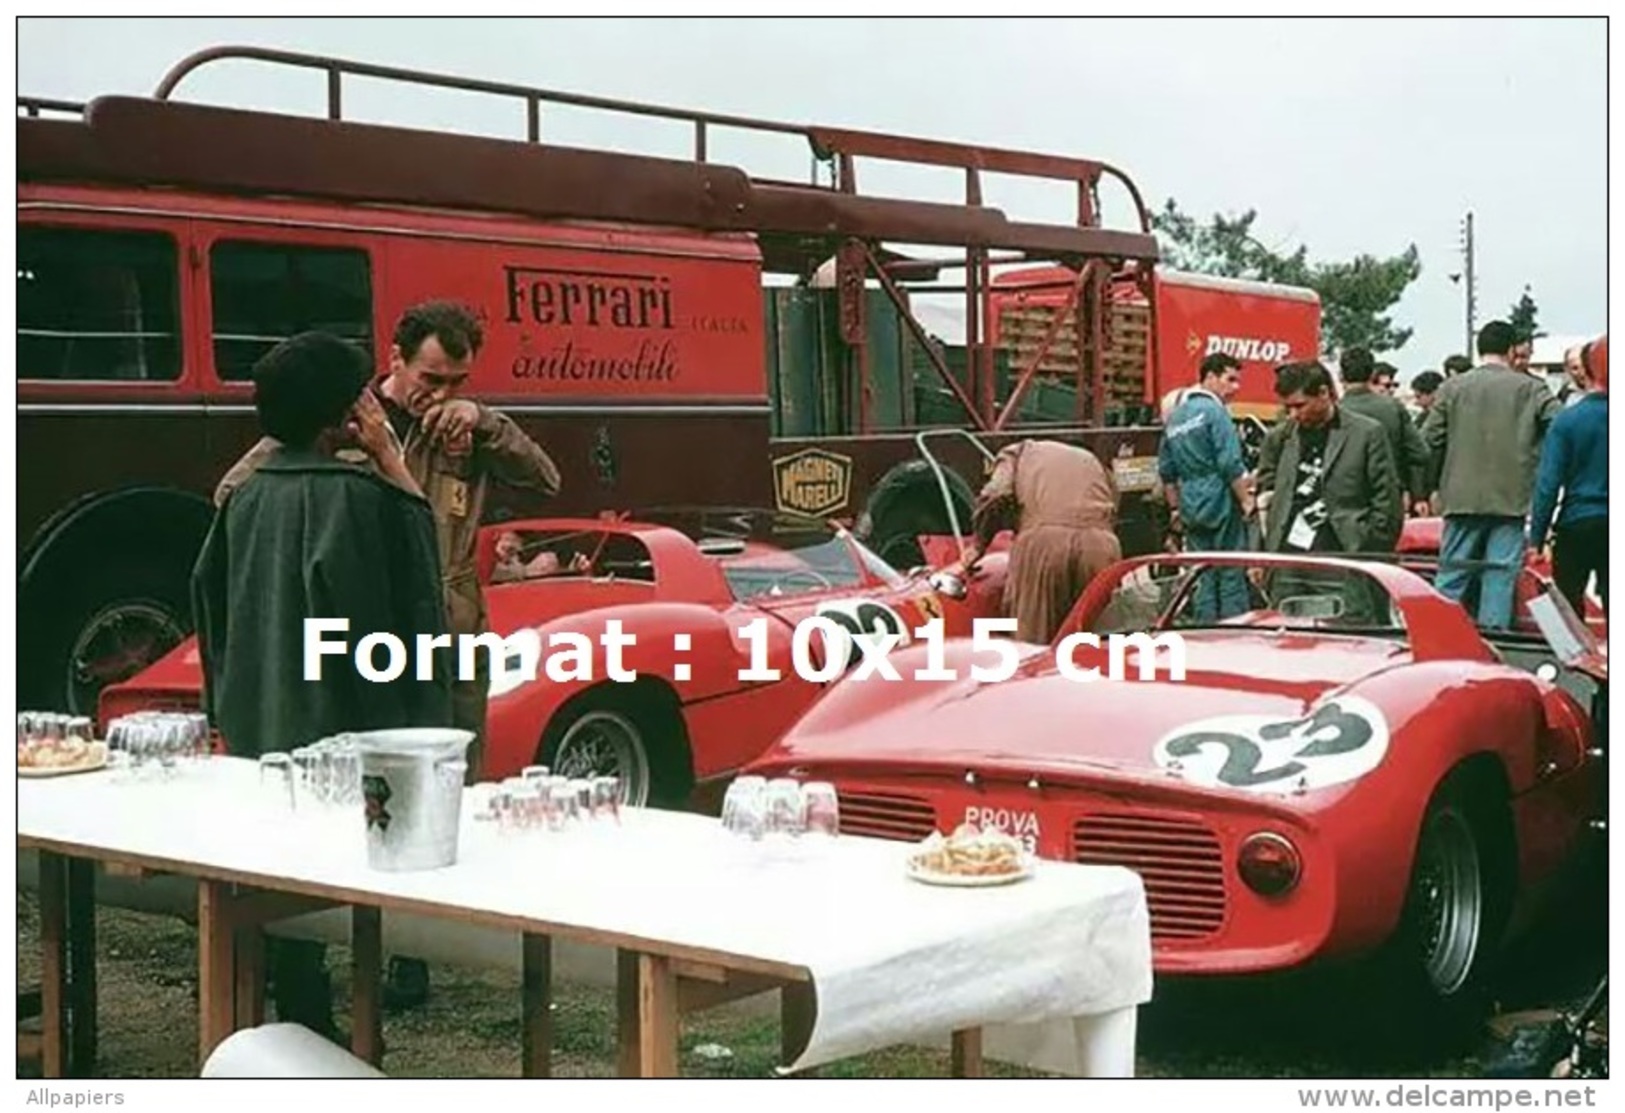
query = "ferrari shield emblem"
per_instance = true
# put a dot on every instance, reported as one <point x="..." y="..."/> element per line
<point x="930" y="606"/>
<point x="812" y="481"/>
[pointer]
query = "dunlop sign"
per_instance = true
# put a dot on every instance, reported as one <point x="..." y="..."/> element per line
<point x="812" y="481"/>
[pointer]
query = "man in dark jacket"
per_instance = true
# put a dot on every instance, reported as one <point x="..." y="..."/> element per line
<point x="1484" y="433"/>
<point x="1326" y="475"/>
<point x="1574" y="462"/>
<point x="308" y="536"/>
<point x="1405" y="444"/>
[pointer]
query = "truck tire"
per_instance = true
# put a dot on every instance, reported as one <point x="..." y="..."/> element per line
<point x="100" y="631"/>
<point x="906" y="503"/>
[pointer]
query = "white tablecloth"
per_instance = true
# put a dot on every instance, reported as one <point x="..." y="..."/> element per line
<point x="1053" y="967"/>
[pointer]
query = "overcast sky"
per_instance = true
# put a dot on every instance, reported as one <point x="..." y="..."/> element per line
<point x="1352" y="137"/>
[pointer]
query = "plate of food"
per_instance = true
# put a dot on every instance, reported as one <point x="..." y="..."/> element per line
<point x="969" y="858"/>
<point x="58" y="757"/>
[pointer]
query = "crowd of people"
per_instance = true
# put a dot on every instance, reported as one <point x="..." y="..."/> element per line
<point x="1506" y="462"/>
<point x="1494" y="452"/>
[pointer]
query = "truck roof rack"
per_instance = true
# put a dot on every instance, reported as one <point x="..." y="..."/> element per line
<point x="161" y="140"/>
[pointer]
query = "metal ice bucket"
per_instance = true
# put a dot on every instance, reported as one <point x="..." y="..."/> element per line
<point x="412" y="792"/>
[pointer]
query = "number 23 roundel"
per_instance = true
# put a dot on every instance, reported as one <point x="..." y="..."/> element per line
<point x="1340" y="741"/>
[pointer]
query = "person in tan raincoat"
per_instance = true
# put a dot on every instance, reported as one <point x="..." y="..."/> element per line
<point x="1062" y="504"/>
<point x="454" y="450"/>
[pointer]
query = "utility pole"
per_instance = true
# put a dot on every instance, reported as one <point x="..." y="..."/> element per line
<point x="1472" y="294"/>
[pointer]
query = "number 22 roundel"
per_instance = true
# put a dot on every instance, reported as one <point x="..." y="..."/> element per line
<point x="1339" y="741"/>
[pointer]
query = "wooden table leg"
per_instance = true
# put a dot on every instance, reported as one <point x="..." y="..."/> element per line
<point x="217" y="966"/>
<point x="81" y="996"/>
<point x="366" y="1000"/>
<point x="967" y="1053"/>
<point x="626" y="1014"/>
<point x="798" y="1008"/>
<point x="658" y="1025"/>
<point x="536" y="1017"/>
<point x="646" y="991"/>
<point x="53" y="901"/>
<point x="249" y="977"/>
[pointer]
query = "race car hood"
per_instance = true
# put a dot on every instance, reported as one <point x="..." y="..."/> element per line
<point x="1040" y="718"/>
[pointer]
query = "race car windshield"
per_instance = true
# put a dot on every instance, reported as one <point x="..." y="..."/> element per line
<point x="1187" y="596"/>
<point x="773" y="553"/>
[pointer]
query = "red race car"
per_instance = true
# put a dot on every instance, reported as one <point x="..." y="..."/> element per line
<point x="713" y="600"/>
<point x="1349" y="768"/>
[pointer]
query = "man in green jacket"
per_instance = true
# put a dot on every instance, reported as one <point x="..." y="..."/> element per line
<point x="1485" y="432"/>
<point x="1405" y="443"/>
<point x="306" y="536"/>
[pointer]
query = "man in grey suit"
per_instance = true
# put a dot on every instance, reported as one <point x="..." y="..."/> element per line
<point x="1329" y="472"/>
<point x="1485" y="432"/>
<point x="1327" y="484"/>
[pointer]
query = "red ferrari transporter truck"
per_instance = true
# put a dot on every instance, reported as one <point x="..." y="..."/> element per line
<point x="674" y="331"/>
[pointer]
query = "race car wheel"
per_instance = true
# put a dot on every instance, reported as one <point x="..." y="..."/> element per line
<point x="1455" y="904"/>
<point x="1447" y="887"/>
<point x="604" y="743"/>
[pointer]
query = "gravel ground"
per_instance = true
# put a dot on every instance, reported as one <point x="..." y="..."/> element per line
<point x="1319" y="1027"/>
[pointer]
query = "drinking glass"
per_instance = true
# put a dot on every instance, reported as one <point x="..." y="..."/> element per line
<point x="606" y="798"/>
<point x="202" y="735"/>
<point x="519" y="807"/>
<point x="277" y="782"/>
<point x="582" y="788"/>
<point x="785" y="811"/>
<point x="743" y="807"/>
<point x="565" y="810"/>
<point x="345" y="765"/>
<point x="307" y="774"/>
<point x="823" y="809"/>
<point x="502" y="803"/>
<point x="168" y="745"/>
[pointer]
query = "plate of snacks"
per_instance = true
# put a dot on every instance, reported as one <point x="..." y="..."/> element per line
<point x="969" y="858"/>
<point x="57" y="757"/>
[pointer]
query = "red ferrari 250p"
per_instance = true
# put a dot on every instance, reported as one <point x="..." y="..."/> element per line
<point x="712" y="598"/>
<point x="1350" y="768"/>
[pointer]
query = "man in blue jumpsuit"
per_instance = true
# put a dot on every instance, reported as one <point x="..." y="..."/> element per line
<point x="1205" y="482"/>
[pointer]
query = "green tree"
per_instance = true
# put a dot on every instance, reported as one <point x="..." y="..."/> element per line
<point x="1356" y="296"/>
<point x="1524" y="315"/>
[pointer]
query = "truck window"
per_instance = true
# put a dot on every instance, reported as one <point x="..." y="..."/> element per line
<point x="263" y="293"/>
<point x="96" y="305"/>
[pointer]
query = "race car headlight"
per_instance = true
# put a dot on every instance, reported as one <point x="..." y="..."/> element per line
<point x="1269" y="864"/>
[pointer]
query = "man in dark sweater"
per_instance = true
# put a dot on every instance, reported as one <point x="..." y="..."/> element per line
<point x="1574" y="463"/>
<point x="1410" y="455"/>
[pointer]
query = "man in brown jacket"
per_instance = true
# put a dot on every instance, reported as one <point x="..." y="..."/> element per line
<point x="454" y="448"/>
<point x="1062" y="504"/>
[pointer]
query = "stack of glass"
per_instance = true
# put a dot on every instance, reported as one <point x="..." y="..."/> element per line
<point x="780" y="810"/>
<point x="320" y="779"/>
<point x="157" y="745"/>
<point x="539" y="801"/>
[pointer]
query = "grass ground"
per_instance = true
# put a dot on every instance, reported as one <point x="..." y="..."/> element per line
<point x="1258" y="1028"/>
